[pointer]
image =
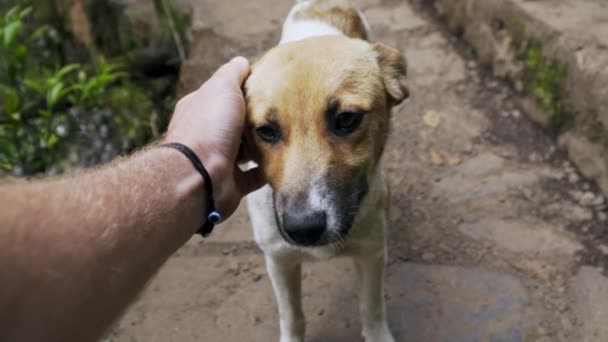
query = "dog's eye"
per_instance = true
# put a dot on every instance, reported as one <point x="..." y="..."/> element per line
<point x="347" y="122"/>
<point x="268" y="133"/>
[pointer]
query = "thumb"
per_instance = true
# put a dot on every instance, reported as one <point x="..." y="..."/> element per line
<point x="237" y="69"/>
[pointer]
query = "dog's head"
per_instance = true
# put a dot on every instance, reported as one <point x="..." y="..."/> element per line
<point x="318" y="117"/>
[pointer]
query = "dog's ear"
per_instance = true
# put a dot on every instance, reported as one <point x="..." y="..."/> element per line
<point x="393" y="68"/>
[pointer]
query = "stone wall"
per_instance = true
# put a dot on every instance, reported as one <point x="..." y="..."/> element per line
<point x="556" y="52"/>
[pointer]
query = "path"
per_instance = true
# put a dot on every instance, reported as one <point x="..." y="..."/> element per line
<point x="491" y="228"/>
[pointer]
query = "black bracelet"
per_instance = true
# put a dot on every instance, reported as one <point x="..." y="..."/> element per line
<point x="213" y="216"/>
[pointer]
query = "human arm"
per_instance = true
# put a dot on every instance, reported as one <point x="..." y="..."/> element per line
<point x="75" y="250"/>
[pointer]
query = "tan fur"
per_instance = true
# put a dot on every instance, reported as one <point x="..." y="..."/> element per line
<point x="339" y="13"/>
<point x="294" y="84"/>
<point x="394" y="72"/>
<point x="312" y="167"/>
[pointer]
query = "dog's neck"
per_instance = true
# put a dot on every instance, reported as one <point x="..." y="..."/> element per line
<point x="300" y="28"/>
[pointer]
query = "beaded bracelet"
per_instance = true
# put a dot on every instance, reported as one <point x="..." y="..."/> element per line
<point x="213" y="216"/>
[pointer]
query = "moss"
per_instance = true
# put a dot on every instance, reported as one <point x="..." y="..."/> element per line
<point x="543" y="79"/>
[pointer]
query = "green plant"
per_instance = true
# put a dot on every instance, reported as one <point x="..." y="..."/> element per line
<point x="544" y="79"/>
<point x="43" y="104"/>
<point x="64" y="103"/>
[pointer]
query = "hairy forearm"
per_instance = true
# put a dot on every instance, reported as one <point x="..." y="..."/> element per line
<point x="103" y="234"/>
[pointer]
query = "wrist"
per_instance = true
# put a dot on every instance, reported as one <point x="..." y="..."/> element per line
<point x="215" y="164"/>
<point x="188" y="183"/>
<point x="213" y="161"/>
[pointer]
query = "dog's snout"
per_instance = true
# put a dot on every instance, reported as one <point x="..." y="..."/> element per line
<point x="304" y="227"/>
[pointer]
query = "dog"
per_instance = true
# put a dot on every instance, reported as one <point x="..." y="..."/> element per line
<point x="318" y="110"/>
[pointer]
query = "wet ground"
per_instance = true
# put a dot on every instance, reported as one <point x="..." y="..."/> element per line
<point x="494" y="235"/>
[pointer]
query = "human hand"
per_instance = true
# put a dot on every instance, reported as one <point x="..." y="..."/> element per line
<point x="211" y="121"/>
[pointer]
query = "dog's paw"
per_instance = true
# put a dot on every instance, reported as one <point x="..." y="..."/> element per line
<point x="378" y="333"/>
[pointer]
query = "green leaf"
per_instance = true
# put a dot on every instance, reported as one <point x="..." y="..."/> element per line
<point x="52" y="140"/>
<point x="10" y="98"/>
<point x="54" y="95"/>
<point x="21" y="53"/>
<point x="11" y="31"/>
<point x="36" y="85"/>
<point x="39" y="32"/>
<point x="11" y="15"/>
<point x="66" y="70"/>
<point x="27" y="11"/>
<point x="47" y="113"/>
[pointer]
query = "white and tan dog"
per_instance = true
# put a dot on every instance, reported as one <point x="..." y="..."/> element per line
<point x="318" y="116"/>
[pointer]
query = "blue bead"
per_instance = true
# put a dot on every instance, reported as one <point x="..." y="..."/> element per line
<point x="214" y="217"/>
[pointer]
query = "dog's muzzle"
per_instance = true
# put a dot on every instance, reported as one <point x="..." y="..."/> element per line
<point x="318" y="216"/>
<point x="304" y="227"/>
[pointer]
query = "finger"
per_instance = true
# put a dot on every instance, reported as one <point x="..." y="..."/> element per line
<point x="249" y="181"/>
<point x="237" y="69"/>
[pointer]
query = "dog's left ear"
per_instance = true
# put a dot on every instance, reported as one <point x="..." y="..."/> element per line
<point x="393" y="68"/>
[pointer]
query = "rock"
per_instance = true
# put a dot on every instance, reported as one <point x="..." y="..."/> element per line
<point x="590" y="290"/>
<point x="465" y="302"/>
<point x="468" y="148"/>
<point x="481" y="165"/>
<point x="528" y="193"/>
<point x="235" y="269"/>
<point x="587" y="199"/>
<point x="599" y="201"/>
<point x="516" y="113"/>
<point x="534" y="157"/>
<point x="507" y="153"/>
<point x="473" y="181"/>
<point x="522" y="237"/>
<point x="471" y="64"/>
<point x="541" y="331"/>
<point x="538" y="268"/>
<point x="602" y="217"/>
<point x="393" y="17"/>
<point x="545" y="339"/>
<point x="573" y="178"/>
<point x="589" y="157"/>
<point x="428" y="256"/>
<point x="580" y="213"/>
<point x="256" y="319"/>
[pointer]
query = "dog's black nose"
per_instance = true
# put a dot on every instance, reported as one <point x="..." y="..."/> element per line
<point x="304" y="227"/>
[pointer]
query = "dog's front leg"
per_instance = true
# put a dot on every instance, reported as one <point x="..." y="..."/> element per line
<point x="286" y="280"/>
<point x="371" y="296"/>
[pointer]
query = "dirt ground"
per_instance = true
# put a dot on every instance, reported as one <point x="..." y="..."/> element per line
<point x="494" y="234"/>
